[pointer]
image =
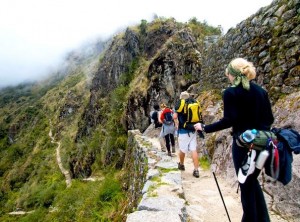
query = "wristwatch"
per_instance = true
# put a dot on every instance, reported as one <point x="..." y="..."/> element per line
<point x="203" y="127"/>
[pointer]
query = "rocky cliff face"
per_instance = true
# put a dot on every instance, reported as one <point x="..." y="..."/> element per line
<point x="156" y="62"/>
<point x="169" y="59"/>
<point x="270" y="39"/>
<point x="147" y="65"/>
<point x="173" y="69"/>
<point x="175" y="61"/>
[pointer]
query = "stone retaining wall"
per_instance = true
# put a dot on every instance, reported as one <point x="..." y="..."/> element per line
<point x="155" y="182"/>
<point x="270" y="39"/>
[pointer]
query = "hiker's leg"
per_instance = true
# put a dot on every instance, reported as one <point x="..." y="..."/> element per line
<point x="162" y="144"/>
<point x="161" y="139"/>
<point x="181" y="157"/>
<point x="172" y="139"/>
<point x="261" y="206"/>
<point x="172" y="142"/>
<point x="193" y="149"/>
<point x="253" y="201"/>
<point x="195" y="159"/>
<point x="249" y="199"/>
<point x="238" y="155"/>
<point x="167" y="138"/>
<point x="183" y="146"/>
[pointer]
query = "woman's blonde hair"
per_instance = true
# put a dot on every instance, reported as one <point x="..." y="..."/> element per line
<point x="245" y="67"/>
<point x="162" y="106"/>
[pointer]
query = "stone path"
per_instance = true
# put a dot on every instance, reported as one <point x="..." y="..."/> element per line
<point x="173" y="195"/>
<point x="204" y="202"/>
<point x="162" y="193"/>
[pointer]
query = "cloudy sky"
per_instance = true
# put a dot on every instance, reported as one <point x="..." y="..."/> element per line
<point x="35" y="34"/>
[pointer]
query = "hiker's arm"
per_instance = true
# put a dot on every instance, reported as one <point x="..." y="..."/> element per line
<point x="160" y="117"/>
<point x="267" y="115"/>
<point x="175" y="117"/>
<point x="229" y="115"/>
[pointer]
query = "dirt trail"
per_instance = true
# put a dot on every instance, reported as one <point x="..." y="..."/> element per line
<point x="203" y="197"/>
<point x="64" y="171"/>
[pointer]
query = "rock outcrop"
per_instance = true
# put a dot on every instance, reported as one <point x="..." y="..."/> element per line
<point x="270" y="39"/>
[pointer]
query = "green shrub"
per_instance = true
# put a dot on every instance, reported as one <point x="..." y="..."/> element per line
<point x="110" y="190"/>
<point x="204" y="162"/>
<point x="36" y="216"/>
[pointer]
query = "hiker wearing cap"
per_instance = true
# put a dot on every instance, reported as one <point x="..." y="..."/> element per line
<point x="246" y="106"/>
<point x="187" y="138"/>
<point x="168" y="127"/>
<point x="154" y="116"/>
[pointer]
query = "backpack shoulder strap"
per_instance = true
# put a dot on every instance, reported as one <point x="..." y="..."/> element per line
<point x="182" y="103"/>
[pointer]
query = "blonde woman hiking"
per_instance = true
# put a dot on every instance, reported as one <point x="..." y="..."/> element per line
<point x="246" y="106"/>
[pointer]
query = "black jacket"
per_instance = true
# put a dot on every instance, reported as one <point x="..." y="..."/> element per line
<point x="244" y="110"/>
<point x="289" y="143"/>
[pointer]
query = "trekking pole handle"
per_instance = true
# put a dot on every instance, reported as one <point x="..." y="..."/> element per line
<point x="199" y="128"/>
<point x="200" y="133"/>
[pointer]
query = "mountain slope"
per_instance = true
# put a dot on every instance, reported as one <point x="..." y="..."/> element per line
<point x="74" y="124"/>
<point x="104" y="90"/>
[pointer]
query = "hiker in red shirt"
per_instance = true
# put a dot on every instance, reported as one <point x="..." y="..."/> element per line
<point x="168" y="127"/>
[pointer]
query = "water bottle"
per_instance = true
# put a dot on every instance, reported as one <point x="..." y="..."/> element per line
<point x="249" y="135"/>
<point x="260" y="162"/>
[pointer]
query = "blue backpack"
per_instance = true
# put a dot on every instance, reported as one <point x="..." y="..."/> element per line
<point x="168" y="118"/>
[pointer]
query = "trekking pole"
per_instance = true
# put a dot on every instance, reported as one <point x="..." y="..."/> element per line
<point x="200" y="133"/>
<point x="221" y="196"/>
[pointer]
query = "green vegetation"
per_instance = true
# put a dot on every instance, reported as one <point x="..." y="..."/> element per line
<point x="29" y="175"/>
<point x="156" y="24"/>
<point x="83" y="201"/>
<point x="188" y="76"/>
<point x="164" y="170"/>
<point x="143" y="27"/>
<point x="204" y="162"/>
<point x="127" y="77"/>
<point x="202" y="29"/>
<point x="30" y="178"/>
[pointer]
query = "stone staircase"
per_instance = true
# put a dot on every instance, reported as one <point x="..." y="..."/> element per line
<point x="163" y="196"/>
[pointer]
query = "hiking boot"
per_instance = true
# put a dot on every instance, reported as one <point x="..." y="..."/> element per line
<point x="169" y="154"/>
<point x="196" y="173"/>
<point x="163" y="150"/>
<point x="173" y="149"/>
<point x="181" y="166"/>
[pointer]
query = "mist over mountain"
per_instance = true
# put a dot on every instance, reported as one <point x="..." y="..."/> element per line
<point x="64" y="140"/>
<point x="36" y="35"/>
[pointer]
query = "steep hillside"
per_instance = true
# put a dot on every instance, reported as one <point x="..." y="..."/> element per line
<point x="270" y="39"/>
<point x="35" y="120"/>
<point x="63" y="140"/>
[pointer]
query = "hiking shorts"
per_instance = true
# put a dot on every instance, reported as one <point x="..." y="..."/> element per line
<point x="187" y="141"/>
